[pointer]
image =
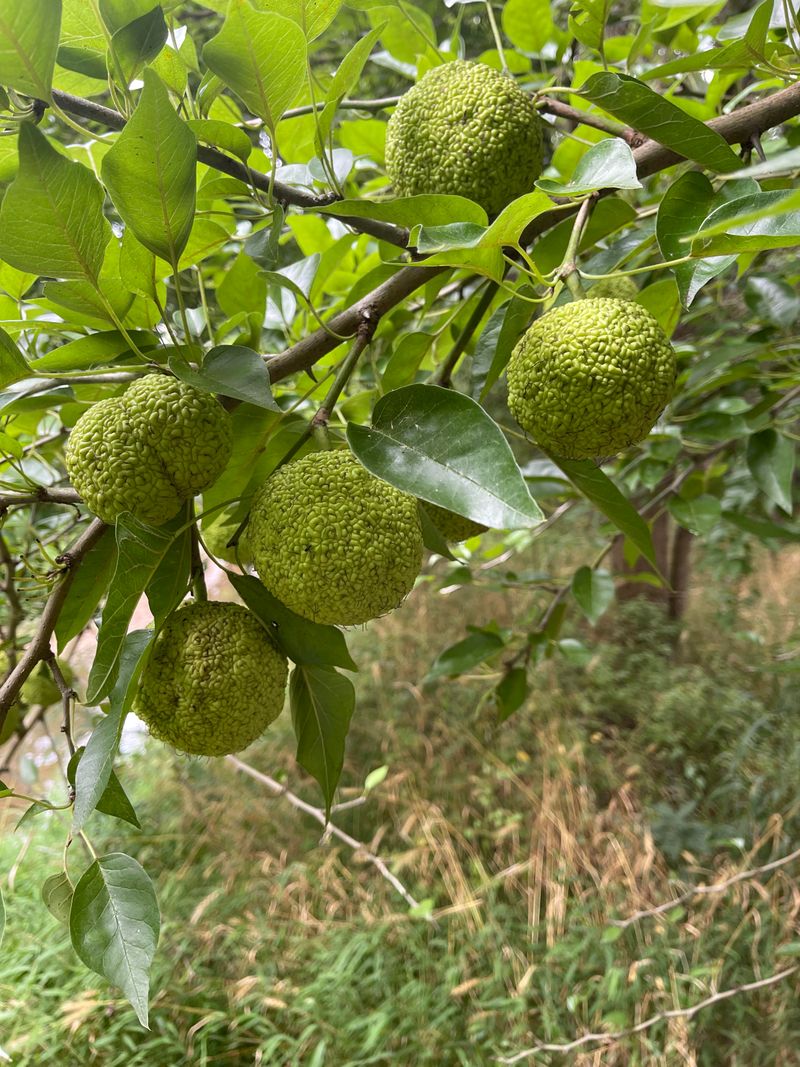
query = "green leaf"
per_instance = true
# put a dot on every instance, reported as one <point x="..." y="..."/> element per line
<point x="750" y="224"/>
<point x="594" y="592"/>
<point x="138" y="42"/>
<point x="150" y="173"/>
<point x="772" y="300"/>
<point x="304" y="642"/>
<point x="466" y="654"/>
<point x="232" y="370"/>
<point x="681" y="212"/>
<point x="262" y="57"/>
<point x="91" y="580"/>
<point x="94" y="350"/>
<point x="140" y="550"/>
<point x="13" y="365"/>
<point x="489" y="361"/>
<point x="94" y="771"/>
<point x="417" y="443"/>
<point x="610" y="935"/>
<point x="344" y="79"/>
<point x="607" y="165"/>
<point x="410" y="211"/>
<point x="650" y="113"/>
<point x="114" y="925"/>
<point x="511" y="692"/>
<point x="587" y="21"/>
<point x="170" y="582"/>
<point x="312" y="16"/>
<point x="28" y="44"/>
<point x="603" y="493"/>
<point x="113" y="800"/>
<point x="528" y="24"/>
<point x="771" y="459"/>
<point x="57" y="896"/>
<point x="119" y="13"/>
<point x="374" y="778"/>
<point x="222" y="135"/>
<point x="322" y="703"/>
<point x="51" y="219"/>
<point x="698" y="515"/>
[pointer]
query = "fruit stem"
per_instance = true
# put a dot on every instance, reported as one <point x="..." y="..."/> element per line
<point x="568" y="270"/>
<point x="497" y="38"/>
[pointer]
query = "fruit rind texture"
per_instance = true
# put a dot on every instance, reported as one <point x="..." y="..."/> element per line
<point x="465" y="129"/>
<point x="214" y="680"/>
<point x="615" y="288"/>
<point x="591" y="378"/>
<point x="332" y="542"/>
<point x="148" y="450"/>
<point x="454" y="528"/>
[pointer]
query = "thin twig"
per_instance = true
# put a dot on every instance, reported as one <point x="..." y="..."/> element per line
<point x="443" y="375"/>
<point x="551" y="106"/>
<point x="40" y="645"/>
<point x="319" y="815"/>
<point x="15" y="611"/>
<point x="68" y="695"/>
<point x="705" y="890"/>
<point x="646" y="1024"/>
<point x="38" y="496"/>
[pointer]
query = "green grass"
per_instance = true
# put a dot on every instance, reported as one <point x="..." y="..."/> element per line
<point x="618" y="776"/>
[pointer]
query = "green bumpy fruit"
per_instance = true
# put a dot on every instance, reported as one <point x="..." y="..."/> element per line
<point x="590" y="378"/>
<point x="453" y="528"/>
<point x="615" y="288"/>
<point x="465" y="129"/>
<point x="333" y="542"/>
<point x="149" y="450"/>
<point x="214" y="681"/>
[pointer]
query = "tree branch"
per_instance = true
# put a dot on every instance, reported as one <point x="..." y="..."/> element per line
<point x="39" y="647"/>
<point x="38" y="496"/>
<point x="329" y="827"/>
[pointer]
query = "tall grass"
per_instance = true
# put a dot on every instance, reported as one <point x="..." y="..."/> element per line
<point x="619" y="782"/>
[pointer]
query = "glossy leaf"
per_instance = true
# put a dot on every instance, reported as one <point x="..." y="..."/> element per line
<point x="441" y="446"/>
<point x="113" y="800"/>
<point x="28" y="44"/>
<point x="304" y="642"/>
<point x="13" y="365"/>
<point x="650" y="113"/>
<point x="51" y="219"/>
<point x="322" y="703"/>
<point x="410" y="211"/>
<point x="607" y="165"/>
<point x="261" y="56"/>
<point x="230" y="370"/>
<point x="150" y="173"/>
<point x="751" y="224"/>
<point x="771" y="459"/>
<point x="312" y="16"/>
<point x="138" y="43"/>
<point x="114" y="925"/>
<point x="466" y="654"/>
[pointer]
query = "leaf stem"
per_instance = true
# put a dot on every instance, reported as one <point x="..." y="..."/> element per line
<point x="498" y="40"/>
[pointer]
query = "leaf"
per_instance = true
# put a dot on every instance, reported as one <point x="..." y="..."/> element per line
<point x="466" y="654"/>
<point x="511" y="692"/>
<point x="603" y="493"/>
<point x="29" y="34"/>
<point x="516" y="318"/>
<point x="773" y="300"/>
<point x="114" y="800"/>
<point x="138" y="42"/>
<point x="607" y="165"/>
<point x="118" y="13"/>
<point x="771" y="460"/>
<point x="150" y="173"/>
<point x="140" y="550"/>
<point x="304" y="642"/>
<point x="344" y="79"/>
<point x="170" y="582"/>
<point x="409" y="211"/>
<point x="441" y="446"/>
<point x="94" y="771"/>
<point x="57" y="896"/>
<point x="51" y="219"/>
<point x="91" y="580"/>
<point x="114" y="925"/>
<point x="262" y="57"/>
<point x="750" y="224"/>
<point x="681" y="212"/>
<point x="232" y="370"/>
<point x="222" y="135"/>
<point x="322" y="703"/>
<point x="312" y="16"/>
<point x="374" y="778"/>
<point x="13" y="365"/>
<point x="650" y="113"/>
<point x="698" y="515"/>
<point x="594" y="592"/>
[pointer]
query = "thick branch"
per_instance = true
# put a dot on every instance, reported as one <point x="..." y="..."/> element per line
<point x="39" y="647"/>
<point x="38" y="496"/>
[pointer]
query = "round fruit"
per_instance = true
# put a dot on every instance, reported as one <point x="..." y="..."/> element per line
<point x="332" y="542"/>
<point x="214" y="681"/>
<point x="615" y="288"/>
<point x="453" y="528"/>
<point x="465" y="129"/>
<point x="149" y="450"/>
<point x="590" y="378"/>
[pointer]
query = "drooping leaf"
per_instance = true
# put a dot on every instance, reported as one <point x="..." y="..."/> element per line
<point x="322" y="703"/>
<point x="150" y="173"/>
<point x="594" y="592"/>
<point x="170" y="582"/>
<point x="698" y="515"/>
<point x="231" y="370"/>
<point x="771" y="459"/>
<point x="28" y="45"/>
<point x="510" y="693"/>
<point x="466" y="654"/>
<point x="650" y="113"/>
<point x="304" y="642"/>
<point x="88" y="586"/>
<point x="261" y="56"/>
<point x="441" y="446"/>
<point x="13" y="365"/>
<point x="114" y="925"/>
<point x="51" y="219"/>
<point x="113" y="800"/>
<point x="138" y="42"/>
<point x="57" y="896"/>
